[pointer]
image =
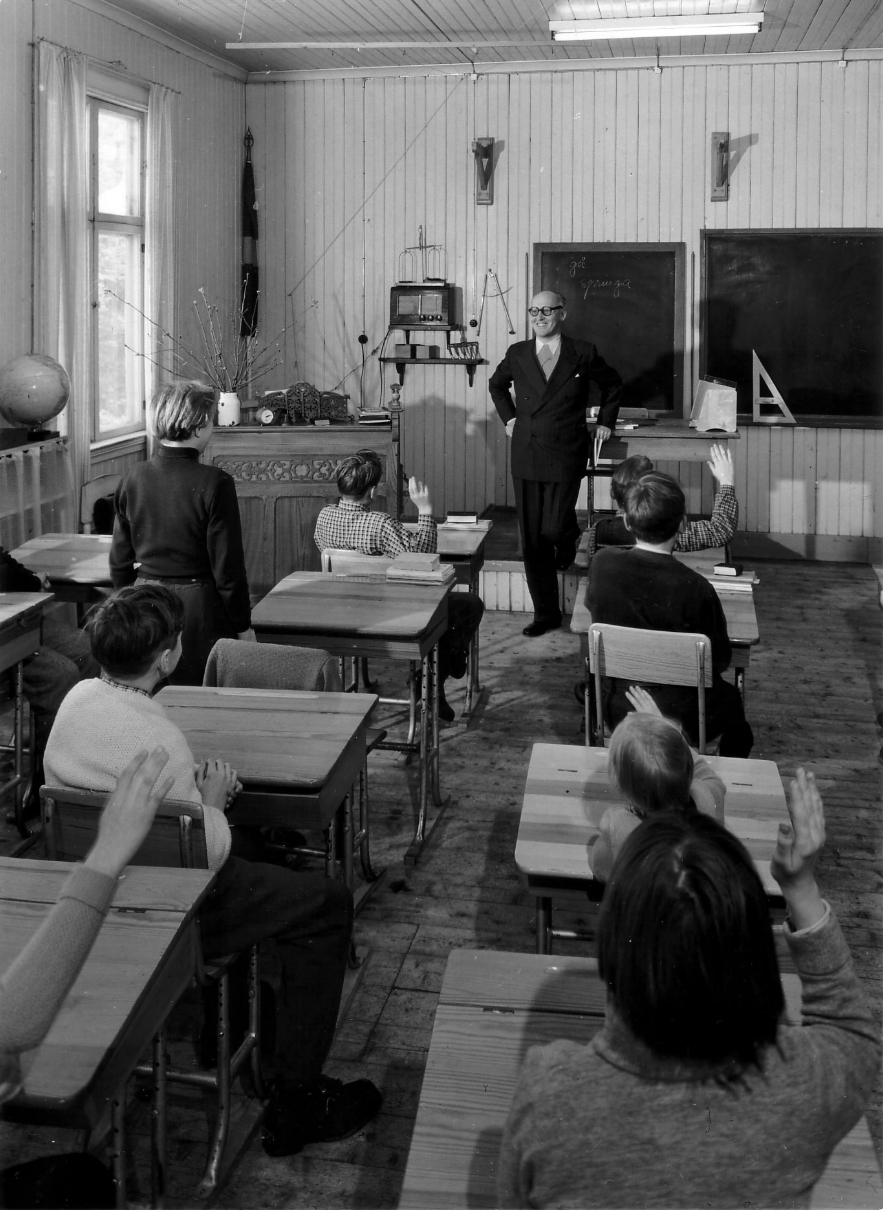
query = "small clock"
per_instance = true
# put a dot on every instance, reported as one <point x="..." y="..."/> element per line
<point x="266" y="416"/>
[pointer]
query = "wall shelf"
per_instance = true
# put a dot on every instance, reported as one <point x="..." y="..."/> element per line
<point x="401" y="362"/>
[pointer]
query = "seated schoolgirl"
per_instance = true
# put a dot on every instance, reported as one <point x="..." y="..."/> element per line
<point x="697" y="1091"/>
<point x="654" y="768"/>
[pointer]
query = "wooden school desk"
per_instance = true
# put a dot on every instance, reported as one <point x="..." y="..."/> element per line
<point x="494" y="1006"/>
<point x="143" y="959"/>
<point x="739" y="612"/>
<point x="21" y="629"/>
<point x="568" y="791"/>
<point x="369" y="616"/>
<point x="73" y="564"/>
<point x="665" y="441"/>
<point x="296" y="753"/>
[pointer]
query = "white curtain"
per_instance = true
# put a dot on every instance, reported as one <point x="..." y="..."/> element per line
<point x="36" y="496"/>
<point x="160" y="237"/>
<point x="62" y="302"/>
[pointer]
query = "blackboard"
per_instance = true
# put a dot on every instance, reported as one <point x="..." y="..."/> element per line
<point x="810" y="303"/>
<point x="628" y="299"/>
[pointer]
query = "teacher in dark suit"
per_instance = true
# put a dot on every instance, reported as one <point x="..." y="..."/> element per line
<point x="546" y="422"/>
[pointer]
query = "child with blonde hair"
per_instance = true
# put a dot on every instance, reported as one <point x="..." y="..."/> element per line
<point x="654" y="768"/>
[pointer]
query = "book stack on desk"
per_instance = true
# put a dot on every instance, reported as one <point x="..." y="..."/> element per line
<point x="744" y="582"/>
<point x="464" y="520"/>
<point x="419" y="568"/>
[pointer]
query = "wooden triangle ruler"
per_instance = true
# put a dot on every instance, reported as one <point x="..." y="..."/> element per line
<point x="783" y="415"/>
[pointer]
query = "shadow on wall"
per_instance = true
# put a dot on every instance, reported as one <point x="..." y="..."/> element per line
<point x="463" y="458"/>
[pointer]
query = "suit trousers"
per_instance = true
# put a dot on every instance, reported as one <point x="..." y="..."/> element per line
<point x="547" y="521"/>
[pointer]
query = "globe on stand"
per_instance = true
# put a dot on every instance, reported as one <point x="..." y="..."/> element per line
<point x="33" y="389"/>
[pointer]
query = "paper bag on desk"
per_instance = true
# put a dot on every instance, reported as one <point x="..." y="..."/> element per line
<point x="714" y="406"/>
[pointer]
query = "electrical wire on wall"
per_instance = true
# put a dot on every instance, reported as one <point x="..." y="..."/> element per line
<point x="361" y="211"/>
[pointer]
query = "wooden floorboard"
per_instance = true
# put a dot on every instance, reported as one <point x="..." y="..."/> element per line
<point x="815" y="688"/>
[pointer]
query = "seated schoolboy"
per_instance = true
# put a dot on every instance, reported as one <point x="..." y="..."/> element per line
<point x="645" y="587"/>
<point x="654" y="769"/>
<point x="136" y="638"/>
<point x="698" y="1090"/>
<point x="718" y="530"/>
<point x="352" y="525"/>
<point x="63" y="658"/>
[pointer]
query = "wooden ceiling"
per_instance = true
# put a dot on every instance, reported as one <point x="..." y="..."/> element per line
<point x="517" y="30"/>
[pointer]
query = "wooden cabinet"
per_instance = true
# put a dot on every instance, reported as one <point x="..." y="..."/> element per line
<point x="285" y="476"/>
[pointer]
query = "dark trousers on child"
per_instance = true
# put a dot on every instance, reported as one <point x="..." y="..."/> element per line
<point x="310" y="917"/>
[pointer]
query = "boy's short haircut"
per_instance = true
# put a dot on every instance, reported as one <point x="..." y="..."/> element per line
<point x="178" y="409"/>
<point x="654" y="507"/>
<point x="651" y="764"/>
<point x="130" y="628"/>
<point x="627" y="473"/>
<point x="685" y="944"/>
<point x="358" y="473"/>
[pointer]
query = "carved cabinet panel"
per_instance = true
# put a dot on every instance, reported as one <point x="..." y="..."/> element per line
<point x="284" y="477"/>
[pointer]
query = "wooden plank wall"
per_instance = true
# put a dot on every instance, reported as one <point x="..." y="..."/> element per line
<point x="349" y="169"/>
<point x="210" y="125"/>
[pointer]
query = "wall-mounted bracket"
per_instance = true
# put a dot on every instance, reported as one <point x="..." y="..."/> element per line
<point x="483" y="150"/>
<point x="720" y="165"/>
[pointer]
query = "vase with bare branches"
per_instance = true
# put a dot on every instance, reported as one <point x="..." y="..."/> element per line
<point x="228" y="362"/>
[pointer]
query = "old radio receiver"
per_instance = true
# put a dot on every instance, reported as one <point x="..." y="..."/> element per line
<point x="422" y="306"/>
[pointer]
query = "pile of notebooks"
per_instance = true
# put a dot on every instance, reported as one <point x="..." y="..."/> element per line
<point x="417" y="568"/>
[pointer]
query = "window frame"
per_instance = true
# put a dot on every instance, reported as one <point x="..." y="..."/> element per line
<point x="100" y="98"/>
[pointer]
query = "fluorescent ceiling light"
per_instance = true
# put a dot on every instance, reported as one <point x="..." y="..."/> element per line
<point x="657" y="27"/>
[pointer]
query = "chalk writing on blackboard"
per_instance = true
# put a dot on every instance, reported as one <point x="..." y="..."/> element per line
<point x="600" y="283"/>
<point x="629" y="301"/>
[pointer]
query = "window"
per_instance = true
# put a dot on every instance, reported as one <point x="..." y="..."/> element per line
<point x="115" y="217"/>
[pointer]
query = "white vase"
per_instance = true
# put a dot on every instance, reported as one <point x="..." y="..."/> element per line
<point x="228" y="408"/>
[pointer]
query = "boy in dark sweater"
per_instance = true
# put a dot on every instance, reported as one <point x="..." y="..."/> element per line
<point x="645" y="587"/>
<point x="177" y="523"/>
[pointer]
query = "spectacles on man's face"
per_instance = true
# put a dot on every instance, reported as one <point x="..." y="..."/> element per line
<point x="533" y="312"/>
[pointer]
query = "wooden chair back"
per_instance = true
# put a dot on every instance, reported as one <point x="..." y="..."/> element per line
<point x="655" y="657"/>
<point x="90" y="493"/>
<point x="354" y="562"/>
<point x="70" y="825"/>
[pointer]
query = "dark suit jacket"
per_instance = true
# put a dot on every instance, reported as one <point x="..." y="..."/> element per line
<point x="550" y="442"/>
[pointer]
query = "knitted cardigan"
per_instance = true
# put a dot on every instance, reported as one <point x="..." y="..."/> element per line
<point x="99" y="728"/>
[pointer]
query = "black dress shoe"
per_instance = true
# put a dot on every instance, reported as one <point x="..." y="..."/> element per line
<point x="538" y="627"/>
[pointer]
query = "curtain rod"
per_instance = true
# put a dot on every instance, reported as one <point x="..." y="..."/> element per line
<point x="116" y="65"/>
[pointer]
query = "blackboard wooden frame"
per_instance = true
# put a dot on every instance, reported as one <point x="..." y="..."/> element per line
<point x="672" y="346"/>
<point x="740" y="306"/>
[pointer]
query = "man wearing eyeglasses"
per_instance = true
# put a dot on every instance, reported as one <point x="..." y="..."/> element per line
<point x="546" y="421"/>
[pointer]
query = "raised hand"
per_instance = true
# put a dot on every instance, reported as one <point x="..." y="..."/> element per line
<point x="419" y="493"/>
<point x="797" y="850"/>
<point x="642" y="702"/>
<point x="720" y="463"/>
